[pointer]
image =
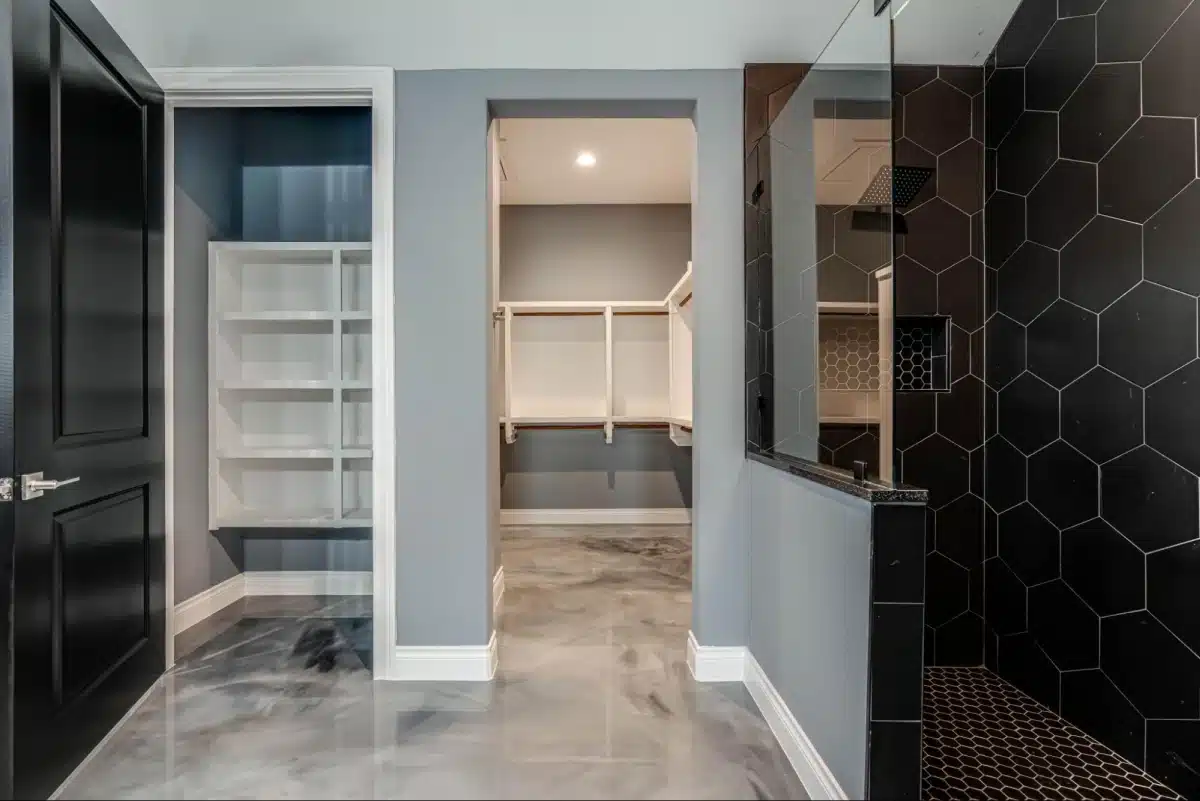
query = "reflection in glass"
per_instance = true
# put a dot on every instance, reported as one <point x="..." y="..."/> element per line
<point x="830" y="182"/>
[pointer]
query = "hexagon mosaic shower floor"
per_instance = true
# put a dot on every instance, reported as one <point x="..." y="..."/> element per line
<point x="983" y="738"/>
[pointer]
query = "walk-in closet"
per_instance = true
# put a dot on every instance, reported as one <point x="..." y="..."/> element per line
<point x="594" y="320"/>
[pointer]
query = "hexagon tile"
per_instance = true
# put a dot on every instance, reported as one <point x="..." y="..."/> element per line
<point x="983" y="738"/>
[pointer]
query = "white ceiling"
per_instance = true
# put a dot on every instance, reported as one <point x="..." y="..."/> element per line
<point x="475" y="34"/>
<point x="637" y="161"/>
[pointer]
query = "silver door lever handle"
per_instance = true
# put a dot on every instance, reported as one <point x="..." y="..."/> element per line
<point x="34" y="486"/>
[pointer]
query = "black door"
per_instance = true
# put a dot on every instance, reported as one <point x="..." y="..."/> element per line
<point x="87" y="366"/>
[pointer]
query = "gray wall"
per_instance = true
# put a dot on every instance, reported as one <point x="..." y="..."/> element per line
<point x="796" y="279"/>
<point x="594" y="252"/>
<point x="577" y="470"/>
<point x="600" y="252"/>
<point x="810" y="557"/>
<point x="447" y="533"/>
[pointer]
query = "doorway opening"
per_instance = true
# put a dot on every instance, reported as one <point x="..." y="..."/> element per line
<point x="592" y="288"/>
<point x="279" y="366"/>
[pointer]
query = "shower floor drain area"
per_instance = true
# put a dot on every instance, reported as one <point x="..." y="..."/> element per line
<point x="984" y="739"/>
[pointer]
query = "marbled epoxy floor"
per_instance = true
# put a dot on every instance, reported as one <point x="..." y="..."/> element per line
<point x="592" y="699"/>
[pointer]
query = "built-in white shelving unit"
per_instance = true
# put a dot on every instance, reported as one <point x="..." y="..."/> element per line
<point x="289" y="385"/>
<point x="603" y="364"/>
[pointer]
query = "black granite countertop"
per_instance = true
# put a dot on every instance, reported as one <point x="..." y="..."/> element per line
<point x="841" y="480"/>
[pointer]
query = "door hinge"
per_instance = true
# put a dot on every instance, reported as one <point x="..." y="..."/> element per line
<point x="6" y="490"/>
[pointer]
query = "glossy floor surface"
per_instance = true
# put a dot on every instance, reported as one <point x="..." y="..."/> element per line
<point x="592" y="698"/>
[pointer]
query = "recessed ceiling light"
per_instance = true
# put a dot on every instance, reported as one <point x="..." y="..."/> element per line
<point x="586" y="158"/>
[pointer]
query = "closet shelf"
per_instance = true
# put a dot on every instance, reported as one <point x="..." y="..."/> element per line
<point x="681" y="293"/>
<point x="290" y="518"/>
<point x="293" y="453"/>
<point x="849" y="307"/>
<point x="280" y="384"/>
<point x="852" y="420"/>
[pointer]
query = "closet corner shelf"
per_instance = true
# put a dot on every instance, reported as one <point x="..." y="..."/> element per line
<point x="682" y="291"/>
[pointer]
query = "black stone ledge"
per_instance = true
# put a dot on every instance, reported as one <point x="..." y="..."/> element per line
<point x="840" y="480"/>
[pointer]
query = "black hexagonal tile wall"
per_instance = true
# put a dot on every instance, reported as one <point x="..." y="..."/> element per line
<point x="1062" y="343"/>
<point x="1029" y="150"/>
<point x="1062" y="61"/>
<point x="1064" y="485"/>
<point x="959" y="531"/>
<point x="1004" y="216"/>
<point x="937" y="116"/>
<point x="1005" y="350"/>
<point x="1148" y="167"/>
<point x="939" y="235"/>
<point x="1172" y="240"/>
<point x="960" y="294"/>
<point x="1004" y="101"/>
<point x="959" y="413"/>
<point x="1062" y="203"/>
<point x="1171" y="67"/>
<point x="1004" y="475"/>
<point x="866" y="250"/>
<point x="1028" y="27"/>
<point x="1028" y="282"/>
<point x="1005" y="598"/>
<point x="1102" y="263"/>
<point x="961" y="182"/>
<point x="907" y="153"/>
<point x="840" y="281"/>
<point x="943" y="467"/>
<point x="1104" y="107"/>
<point x="1029" y="545"/>
<point x="1102" y="415"/>
<point x="1106" y="569"/>
<point x="1140" y="333"/>
<point x="1126" y="30"/>
<point x="1151" y="666"/>
<point x="1150" y="500"/>
<point x="1063" y="625"/>
<point x="917" y="289"/>
<point x="917" y="413"/>
<point x="1028" y="415"/>
<point x="1171" y="590"/>
<point x="945" y="590"/>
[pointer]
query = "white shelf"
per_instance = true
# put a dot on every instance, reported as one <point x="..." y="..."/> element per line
<point x="289" y="372"/>
<point x="597" y="363"/>
<point x="859" y="420"/>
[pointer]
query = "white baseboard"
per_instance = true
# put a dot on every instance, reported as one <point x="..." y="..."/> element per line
<point x="445" y="663"/>
<point x="814" y="774"/>
<point x="308" y="582"/>
<point x="497" y="590"/>
<point x="595" y="517"/>
<point x="201" y="605"/>
<point x="715" y="663"/>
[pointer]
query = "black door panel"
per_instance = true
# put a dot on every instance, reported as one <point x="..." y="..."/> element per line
<point x="88" y="612"/>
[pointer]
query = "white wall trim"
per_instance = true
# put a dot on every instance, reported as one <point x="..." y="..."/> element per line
<point x="308" y="86"/>
<point x="595" y="517"/>
<point x="814" y="774"/>
<point x="715" y="662"/>
<point x="308" y="582"/>
<point x="207" y="603"/>
<point x="445" y="663"/>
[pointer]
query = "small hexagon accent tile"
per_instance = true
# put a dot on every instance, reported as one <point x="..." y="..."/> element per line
<point x="937" y="116"/>
<point x="1102" y="263"/>
<point x="1173" y="240"/>
<point x="939" y="235"/>
<point x="1149" y="499"/>
<point x="1062" y="203"/>
<point x="1064" y="485"/>
<point x="1101" y="111"/>
<point x="1139" y="334"/>
<point x="984" y="738"/>
<point x="1161" y="152"/>
<point x="1062" y="343"/>
<point x="1102" y="415"/>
